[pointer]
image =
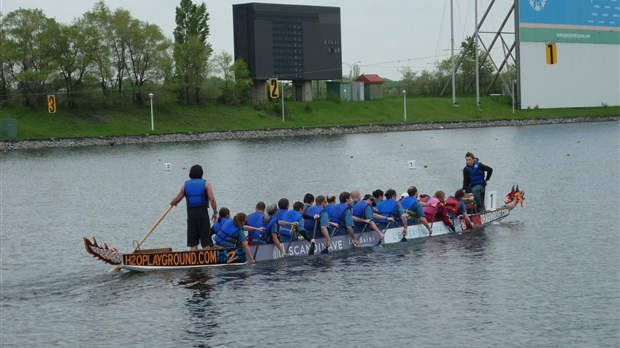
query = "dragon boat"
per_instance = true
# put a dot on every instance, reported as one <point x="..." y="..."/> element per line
<point x="166" y="259"/>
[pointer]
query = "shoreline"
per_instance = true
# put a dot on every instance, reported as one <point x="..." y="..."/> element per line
<point x="7" y="145"/>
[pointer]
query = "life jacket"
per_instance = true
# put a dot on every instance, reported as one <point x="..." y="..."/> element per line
<point x="218" y="225"/>
<point x="311" y="211"/>
<point x="289" y="216"/>
<point x="228" y="234"/>
<point x="337" y="213"/>
<point x="476" y="176"/>
<point x="195" y="192"/>
<point x="358" y="211"/>
<point x="272" y="220"/>
<point x="387" y="208"/>
<point x="255" y="220"/>
<point x="452" y="205"/>
<point x="408" y="203"/>
<point x="429" y="212"/>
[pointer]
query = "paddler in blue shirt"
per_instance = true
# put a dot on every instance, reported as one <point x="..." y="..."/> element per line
<point x="224" y="216"/>
<point x="320" y="220"/>
<point x="232" y="234"/>
<point x="198" y="194"/>
<point x="341" y="216"/>
<point x="277" y="233"/>
<point x="389" y="207"/>
<point x="257" y="219"/>
<point x="414" y="210"/>
<point x="363" y="214"/>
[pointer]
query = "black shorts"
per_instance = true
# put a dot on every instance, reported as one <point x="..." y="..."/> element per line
<point x="198" y="227"/>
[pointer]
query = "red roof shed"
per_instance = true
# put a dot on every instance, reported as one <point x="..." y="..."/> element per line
<point x="370" y="79"/>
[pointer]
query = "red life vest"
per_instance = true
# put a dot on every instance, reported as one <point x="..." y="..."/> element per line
<point x="452" y="205"/>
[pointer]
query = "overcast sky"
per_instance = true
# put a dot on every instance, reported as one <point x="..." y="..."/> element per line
<point x="383" y="35"/>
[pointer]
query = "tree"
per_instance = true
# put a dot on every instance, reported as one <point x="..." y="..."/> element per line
<point x="97" y="30"/>
<point x="243" y="82"/>
<point x="191" y="49"/>
<point x="146" y="47"/>
<point x="70" y="49"/>
<point x="25" y="53"/>
<point x="408" y="78"/>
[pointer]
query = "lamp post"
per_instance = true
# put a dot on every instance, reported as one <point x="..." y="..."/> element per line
<point x="514" y="83"/>
<point x="405" y="104"/>
<point x="152" y="122"/>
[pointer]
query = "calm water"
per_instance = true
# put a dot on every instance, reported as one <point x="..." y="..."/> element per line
<point x="546" y="276"/>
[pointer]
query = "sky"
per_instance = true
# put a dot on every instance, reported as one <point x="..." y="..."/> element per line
<point x="383" y="36"/>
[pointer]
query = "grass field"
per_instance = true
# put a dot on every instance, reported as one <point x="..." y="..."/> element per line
<point x="135" y="119"/>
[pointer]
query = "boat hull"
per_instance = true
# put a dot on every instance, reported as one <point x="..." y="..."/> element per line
<point x="370" y="238"/>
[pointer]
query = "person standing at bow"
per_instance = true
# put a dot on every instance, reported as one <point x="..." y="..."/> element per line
<point x="198" y="194"/>
<point x="474" y="179"/>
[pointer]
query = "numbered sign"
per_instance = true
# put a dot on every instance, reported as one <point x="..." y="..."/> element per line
<point x="489" y="200"/>
<point x="167" y="166"/>
<point x="552" y="53"/>
<point x="274" y="91"/>
<point x="51" y="104"/>
<point x="412" y="164"/>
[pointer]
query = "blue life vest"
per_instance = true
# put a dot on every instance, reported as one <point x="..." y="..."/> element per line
<point x="255" y="220"/>
<point x="358" y="209"/>
<point x="289" y="216"/>
<point x="387" y="208"/>
<point x="195" y="192"/>
<point x="476" y="176"/>
<point x="311" y="211"/>
<point x="228" y="234"/>
<point x="217" y="226"/>
<point x="268" y="226"/>
<point x="337" y="213"/>
<point x="408" y="204"/>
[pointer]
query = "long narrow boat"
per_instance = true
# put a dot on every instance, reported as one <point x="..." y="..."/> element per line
<point x="166" y="259"/>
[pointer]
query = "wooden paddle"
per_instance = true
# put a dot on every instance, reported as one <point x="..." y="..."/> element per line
<point x="117" y="268"/>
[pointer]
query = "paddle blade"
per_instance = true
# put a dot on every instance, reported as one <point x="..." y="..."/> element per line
<point x="312" y="249"/>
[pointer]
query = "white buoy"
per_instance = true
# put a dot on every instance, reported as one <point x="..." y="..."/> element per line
<point x="167" y="166"/>
<point x="412" y="164"/>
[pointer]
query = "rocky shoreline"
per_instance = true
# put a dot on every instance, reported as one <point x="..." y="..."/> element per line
<point x="279" y="133"/>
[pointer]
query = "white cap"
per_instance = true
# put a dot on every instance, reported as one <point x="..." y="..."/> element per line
<point x="404" y="194"/>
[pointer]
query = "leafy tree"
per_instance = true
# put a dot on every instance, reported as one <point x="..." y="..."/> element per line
<point x="243" y="82"/>
<point x="146" y="48"/>
<point x="408" y="78"/>
<point x="97" y="30"/>
<point x="28" y="61"/>
<point x="191" y="49"/>
<point x="70" y="49"/>
<point x="118" y="31"/>
<point x="5" y="67"/>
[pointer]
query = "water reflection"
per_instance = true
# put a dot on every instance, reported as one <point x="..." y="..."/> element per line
<point x="200" y="306"/>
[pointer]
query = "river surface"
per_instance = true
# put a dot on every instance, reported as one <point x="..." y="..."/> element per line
<point x="546" y="276"/>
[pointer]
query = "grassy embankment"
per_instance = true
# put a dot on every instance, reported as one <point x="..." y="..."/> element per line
<point x="133" y="119"/>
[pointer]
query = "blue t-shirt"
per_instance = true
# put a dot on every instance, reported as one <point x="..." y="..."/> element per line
<point x="348" y="218"/>
<point x="462" y="207"/>
<point x="323" y="219"/>
<point x="368" y="212"/>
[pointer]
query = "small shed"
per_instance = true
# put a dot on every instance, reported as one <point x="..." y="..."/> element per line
<point x="373" y="86"/>
<point x="339" y="90"/>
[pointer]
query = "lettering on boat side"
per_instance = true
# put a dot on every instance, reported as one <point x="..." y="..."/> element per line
<point x="186" y="258"/>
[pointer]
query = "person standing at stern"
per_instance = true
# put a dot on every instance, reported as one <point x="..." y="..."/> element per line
<point x="474" y="179"/>
<point x="198" y="194"/>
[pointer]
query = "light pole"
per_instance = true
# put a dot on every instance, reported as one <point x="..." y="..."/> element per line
<point x="152" y="122"/>
<point x="514" y="83"/>
<point x="405" y="104"/>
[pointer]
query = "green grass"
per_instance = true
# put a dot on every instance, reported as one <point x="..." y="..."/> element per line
<point x="135" y="119"/>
